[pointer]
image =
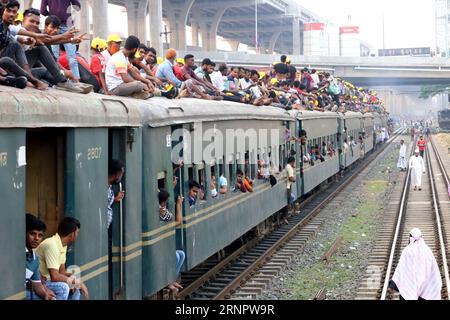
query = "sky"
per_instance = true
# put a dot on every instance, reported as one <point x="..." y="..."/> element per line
<point x="408" y="23"/>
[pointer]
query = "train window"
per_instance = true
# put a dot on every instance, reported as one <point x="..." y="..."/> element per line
<point x="191" y="173"/>
<point x="162" y="180"/>
<point x="202" y="180"/>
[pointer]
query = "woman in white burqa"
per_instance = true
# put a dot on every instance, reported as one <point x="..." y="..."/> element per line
<point x="417" y="276"/>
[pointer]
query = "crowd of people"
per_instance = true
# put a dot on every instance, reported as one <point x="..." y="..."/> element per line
<point x="50" y="57"/>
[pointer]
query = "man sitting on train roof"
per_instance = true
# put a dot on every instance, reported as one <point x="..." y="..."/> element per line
<point x="165" y="70"/>
<point x="119" y="80"/>
<point x="166" y="216"/>
<point x="40" y="55"/>
<point x="11" y="74"/>
<point x="205" y="70"/>
<point x="194" y="86"/>
<point x="35" y="229"/>
<point x="98" y="63"/>
<point x="9" y="47"/>
<point x="145" y="60"/>
<point x="52" y="259"/>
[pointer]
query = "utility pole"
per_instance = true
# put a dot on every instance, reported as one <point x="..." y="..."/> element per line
<point x="256" y="25"/>
<point x="384" y="47"/>
<point x="165" y="33"/>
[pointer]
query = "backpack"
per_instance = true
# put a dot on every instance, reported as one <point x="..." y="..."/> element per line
<point x="334" y="89"/>
<point x="272" y="180"/>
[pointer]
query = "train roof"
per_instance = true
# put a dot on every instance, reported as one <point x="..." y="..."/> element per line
<point x="31" y="108"/>
<point x="162" y="112"/>
<point x="306" y="114"/>
<point x="352" y="115"/>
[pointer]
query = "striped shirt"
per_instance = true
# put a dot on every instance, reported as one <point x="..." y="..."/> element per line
<point x="109" y="206"/>
<point x="166" y="216"/>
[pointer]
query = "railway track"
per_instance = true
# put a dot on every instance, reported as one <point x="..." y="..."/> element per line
<point x="246" y="272"/>
<point x="410" y="209"/>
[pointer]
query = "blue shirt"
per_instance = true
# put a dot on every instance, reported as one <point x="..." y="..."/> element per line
<point x="32" y="267"/>
<point x="191" y="201"/>
<point x="165" y="72"/>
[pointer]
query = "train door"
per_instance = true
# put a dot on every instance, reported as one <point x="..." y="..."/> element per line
<point x="86" y="177"/>
<point x="158" y="237"/>
<point x="45" y="157"/>
<point x="12" y="212"/>
<point x="126" y="252"/>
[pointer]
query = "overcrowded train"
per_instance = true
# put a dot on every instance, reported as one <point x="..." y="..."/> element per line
<point x="54" y="153"/>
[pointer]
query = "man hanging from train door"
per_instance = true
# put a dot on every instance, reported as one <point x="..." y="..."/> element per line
<point x="417" y="168"/>
<point x="115" y="173"/>
<point x="417" y="276"/>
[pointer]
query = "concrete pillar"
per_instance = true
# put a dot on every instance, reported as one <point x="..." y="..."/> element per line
<point x="234" y="44"/>
<point x="214" y="27"/>
<point x="274" y="40"/>
<point x="205" y="37"/>
<point x="100" y="18"/>
<point x="84" y="25"/>
<point x="212" y="41"/>
<point x="181" y="34"/>
<point x="296" y="42"/>
<point x="195" y="30"/>
<point x="155" y="16"/>
<point x="178" y="35"/>
<point x="141" y="21"/>
<point x="132" y="13"/>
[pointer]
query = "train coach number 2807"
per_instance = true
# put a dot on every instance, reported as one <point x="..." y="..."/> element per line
<point x="94" y="153"/>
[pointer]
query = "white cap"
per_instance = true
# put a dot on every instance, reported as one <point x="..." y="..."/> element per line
<point x="417" y="150"/>
<point x="416" y="234"/>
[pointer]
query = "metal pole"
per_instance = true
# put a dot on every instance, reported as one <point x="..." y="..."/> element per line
<point x="384" y="47"/>
<point x="256" y="25"/>
<point x="121" y="240"/>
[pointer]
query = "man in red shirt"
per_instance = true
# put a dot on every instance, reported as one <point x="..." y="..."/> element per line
<point x="98" y="63"/>
<point x="421" y="144"/>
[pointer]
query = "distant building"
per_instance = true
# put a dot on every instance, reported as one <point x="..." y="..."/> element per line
<point x="350" y="41"/>
<point x="442" y="28"/>
<point x="327" y="39"/>
<point x="414" y="52"/>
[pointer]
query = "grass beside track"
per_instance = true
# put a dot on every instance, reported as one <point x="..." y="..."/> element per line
<point x="358" y="230"/>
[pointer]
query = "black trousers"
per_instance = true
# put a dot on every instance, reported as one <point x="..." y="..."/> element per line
<point x="10" y="66"/>
<point x="51" y="71"/>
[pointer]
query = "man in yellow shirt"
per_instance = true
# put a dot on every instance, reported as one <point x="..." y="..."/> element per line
<point x="52" y="260"/>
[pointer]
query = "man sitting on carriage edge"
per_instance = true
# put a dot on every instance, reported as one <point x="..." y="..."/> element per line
<point x="52" y="259"/>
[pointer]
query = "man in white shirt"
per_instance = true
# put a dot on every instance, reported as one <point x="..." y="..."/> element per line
<point x="402" y="156"/>
<point x="118" y="80"/>
<point x="290" y="179"/>
<point x="316" y="79"/>
<point x="218" y="78"/>
<point x="114" y="42"/>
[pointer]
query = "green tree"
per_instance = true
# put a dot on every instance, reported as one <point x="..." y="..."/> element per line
<point x="431" y="91"/>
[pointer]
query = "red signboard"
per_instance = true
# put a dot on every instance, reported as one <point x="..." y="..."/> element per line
<point x="314" y="26"/>
<point x="343" y="30"/>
